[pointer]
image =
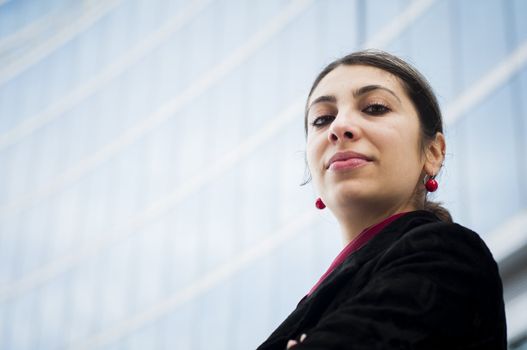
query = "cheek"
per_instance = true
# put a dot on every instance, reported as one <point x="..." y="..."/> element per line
<point x="399" y="149"/>
<point x="312" y="152"/>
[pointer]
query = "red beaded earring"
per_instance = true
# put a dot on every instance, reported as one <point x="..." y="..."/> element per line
<point x="431" y="184"/>
<point x="319" y="204"/>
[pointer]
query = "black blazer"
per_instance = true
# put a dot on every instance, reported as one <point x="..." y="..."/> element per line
<point x="418" y="284"/>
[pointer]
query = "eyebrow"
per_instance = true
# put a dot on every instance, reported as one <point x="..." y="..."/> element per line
<point x="357" y="93"/>
<point x="368" y="88"/>
<point x="323" y="98"/>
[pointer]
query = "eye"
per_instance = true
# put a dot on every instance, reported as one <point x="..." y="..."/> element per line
<point x="322" y="121"/>
<point x="376" y="109"/>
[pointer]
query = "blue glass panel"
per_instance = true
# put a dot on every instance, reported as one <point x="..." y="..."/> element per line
<point x="491" y="155"/>
<point x="430" y="46"/>
<point x="453" y="182"/>
<point x="519" y="11"/>
<point x="253" y="309"/>
<point x="336" y="26"/>
<point x="177" y="331"/>
<point x="519" y="102"/>
<point x="16" y="15"/>
<point x="216" y="323"/>
<point x="22" y="330"/>
<point x="381" y="12"/>
<point x="482" y="45"/>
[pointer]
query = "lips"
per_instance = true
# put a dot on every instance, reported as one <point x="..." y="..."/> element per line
<point x="347" y="160"/>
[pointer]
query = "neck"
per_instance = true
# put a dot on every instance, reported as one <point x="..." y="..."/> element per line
<point x="353" y="222"/>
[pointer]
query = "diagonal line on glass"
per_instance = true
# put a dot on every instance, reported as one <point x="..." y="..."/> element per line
<point x="127" y="60"/>
<point x="163" y="114"/>
<point x="61" y="37"/>
<point x="202" y="285"/>
<point x="66" y="262"/>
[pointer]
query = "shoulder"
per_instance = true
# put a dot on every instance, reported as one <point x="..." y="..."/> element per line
<point x="422" y="230"/>
<point x="443" y="236"/>
<point x="447" y="249"/>
<point x="420" y="237"/>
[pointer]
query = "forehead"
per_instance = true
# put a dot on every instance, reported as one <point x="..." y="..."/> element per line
<point x="346" y="78"/>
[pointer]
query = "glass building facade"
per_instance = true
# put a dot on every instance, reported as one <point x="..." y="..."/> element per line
<point x="151" y="154"/>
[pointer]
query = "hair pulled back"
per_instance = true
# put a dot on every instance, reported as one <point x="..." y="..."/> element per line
<point x="418" y="90"/>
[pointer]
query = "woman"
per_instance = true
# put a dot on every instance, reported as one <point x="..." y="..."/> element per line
<point x="408" y="278"/>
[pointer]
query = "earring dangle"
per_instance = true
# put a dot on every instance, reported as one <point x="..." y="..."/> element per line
<point x="319" y="204"/>
<point x="431" y="184"/>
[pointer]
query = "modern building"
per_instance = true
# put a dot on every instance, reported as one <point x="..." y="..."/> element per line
<point x="151" y="156"/>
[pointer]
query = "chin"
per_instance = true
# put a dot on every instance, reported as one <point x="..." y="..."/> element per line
<point x="351" y="190"/>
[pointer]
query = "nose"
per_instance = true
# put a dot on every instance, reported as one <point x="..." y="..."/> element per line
<point x="342" y="129"/>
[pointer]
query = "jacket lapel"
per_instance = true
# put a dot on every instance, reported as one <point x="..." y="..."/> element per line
<point x="310" y="308"/>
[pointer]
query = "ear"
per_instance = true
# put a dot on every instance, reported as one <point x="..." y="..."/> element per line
<point x="435" y="154"/>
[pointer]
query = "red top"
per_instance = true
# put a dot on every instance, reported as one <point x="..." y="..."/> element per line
<point x="363" y="237"/>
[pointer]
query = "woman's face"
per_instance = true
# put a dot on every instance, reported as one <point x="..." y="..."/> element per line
<point x="363" y="139"/>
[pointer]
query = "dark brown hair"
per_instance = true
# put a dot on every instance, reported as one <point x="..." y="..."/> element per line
<point x="418" y="90"/>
